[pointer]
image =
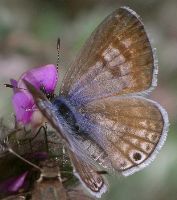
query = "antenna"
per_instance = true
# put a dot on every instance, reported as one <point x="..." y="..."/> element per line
<point x="13" y="87"/>
<point x="58" y="53"/>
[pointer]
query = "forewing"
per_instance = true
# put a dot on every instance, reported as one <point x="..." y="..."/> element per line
<point x="87" y="174"/>
<point x="117" y="59"/>
<point x="132" y="130"/>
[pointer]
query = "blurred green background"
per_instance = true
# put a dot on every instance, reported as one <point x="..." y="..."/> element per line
<point x="28" y="35"/>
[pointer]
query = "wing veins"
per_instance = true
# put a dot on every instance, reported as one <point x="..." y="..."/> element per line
<point x="90" y="84"/>
<point x="121" y="151"/>
<point x="142" y="138"/>
<point x="139" y="117"/>
<point x="141" y="127"/>
<point x="131" y="144"/>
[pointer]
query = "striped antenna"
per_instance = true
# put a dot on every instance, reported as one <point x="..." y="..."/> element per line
<point x="58" y="52"/>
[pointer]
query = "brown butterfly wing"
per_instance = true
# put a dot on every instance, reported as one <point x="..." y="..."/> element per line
<point x="87" y="174"/>
<point x="117" y="59"/>
<point x="133" y="130"/>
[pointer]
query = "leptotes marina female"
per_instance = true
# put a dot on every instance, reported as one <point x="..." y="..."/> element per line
<point x="101" y="112"/>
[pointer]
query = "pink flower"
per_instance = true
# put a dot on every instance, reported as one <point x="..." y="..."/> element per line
<point x="43" y="78"/>
<point x="13" y="184"/>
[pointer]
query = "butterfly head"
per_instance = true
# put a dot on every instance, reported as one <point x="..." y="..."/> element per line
<point x="44" y="79"/>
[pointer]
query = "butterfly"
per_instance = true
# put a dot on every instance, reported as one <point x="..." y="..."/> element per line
<point x="102" y="113"/>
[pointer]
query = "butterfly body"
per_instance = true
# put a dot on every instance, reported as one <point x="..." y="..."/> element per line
<point x="66" y="111"/>
<point x="73" y="126"/>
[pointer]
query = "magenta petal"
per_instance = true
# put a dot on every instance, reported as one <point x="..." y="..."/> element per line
<point x="23" y="105"/>
<point x="14" y="84"/>
<point x="46" y="76"/>
<point x="13" y="184"/>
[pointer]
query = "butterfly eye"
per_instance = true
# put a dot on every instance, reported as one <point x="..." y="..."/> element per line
<point x="50" y="96"/>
